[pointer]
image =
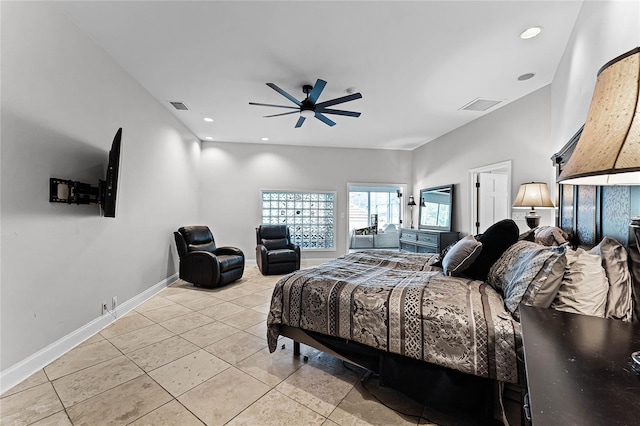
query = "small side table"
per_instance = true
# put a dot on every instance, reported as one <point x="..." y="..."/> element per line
<point x="579" y="368"/>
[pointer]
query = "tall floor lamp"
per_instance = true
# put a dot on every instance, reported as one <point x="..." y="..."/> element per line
<point x="411" y="203"/>
<point x="399" y="194"/>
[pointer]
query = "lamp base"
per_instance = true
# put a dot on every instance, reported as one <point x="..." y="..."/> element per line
<point x="533" y="220"/>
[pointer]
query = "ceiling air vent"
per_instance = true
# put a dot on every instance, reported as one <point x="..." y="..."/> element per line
<point x="180" y="106"/>
<point x="481" y="104"/>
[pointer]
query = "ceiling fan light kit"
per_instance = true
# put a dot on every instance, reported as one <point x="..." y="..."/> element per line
<point x="309" y="107"/>
<point x="307" y="113"/>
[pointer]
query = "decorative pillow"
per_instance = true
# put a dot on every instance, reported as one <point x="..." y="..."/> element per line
<point x="461" y="255"/>
<point x="275" y="244"/>
<point x="584" y="286"/>
<point x="495" y="240"/>
<point x="439" y="257"/>
<point x="550" y="236"/>
<point x="616" y="267"/>
<point x="528" y="273"/>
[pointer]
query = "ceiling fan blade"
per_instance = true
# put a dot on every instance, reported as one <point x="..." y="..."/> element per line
<point x="317" y="89"/>
<point x="284" y="113"/>
<point x="272" y="105"/>
<point x="325" y="120"/>
<point x="285" y="94"/>
<point x="300" y="121"/>
<point x="335" y="101"/>
<point x="338" y="112"/>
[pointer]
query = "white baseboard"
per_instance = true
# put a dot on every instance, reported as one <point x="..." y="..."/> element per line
<point x="25" y="368"/>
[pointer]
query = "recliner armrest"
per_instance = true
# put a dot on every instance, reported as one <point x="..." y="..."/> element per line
<point x="202" y="255"/>
<point x="229" y="251"/>
<point x="201" y="267"/>
<point x="181" y="245"/>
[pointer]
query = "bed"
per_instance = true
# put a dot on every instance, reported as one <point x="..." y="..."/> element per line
<point x="399" y="315"/>
<point x="399" y="303"/>
<point x="406" y="312"/>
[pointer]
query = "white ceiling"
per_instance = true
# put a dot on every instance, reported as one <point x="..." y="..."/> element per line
<point x="416" y="63"/>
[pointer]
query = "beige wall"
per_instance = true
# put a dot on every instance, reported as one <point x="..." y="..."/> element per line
<point x="519" y="132"/>
<point x="603" y="31"/>
<point x="232" y="176"/>
<point x="62" y="101"/>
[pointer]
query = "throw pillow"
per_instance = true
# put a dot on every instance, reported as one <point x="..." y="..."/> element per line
<point x="495" y="240"/>
<point x="584" y="285"/>
<point x="461" y="255"/>
<point x="615" y="263"/>
<point x="550" y="236"/>
<point x="439" y="257"/>
<point x="528" y="273"/>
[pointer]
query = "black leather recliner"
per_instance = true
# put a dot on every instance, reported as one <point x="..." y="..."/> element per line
<point x="275" y="254"/>
<point x="202" y="263"/>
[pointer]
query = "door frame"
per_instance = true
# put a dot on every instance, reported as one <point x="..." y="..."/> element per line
<point x="501" y="167"/>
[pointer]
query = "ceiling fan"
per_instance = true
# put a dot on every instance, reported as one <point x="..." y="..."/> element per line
<point x="309" y="108"/>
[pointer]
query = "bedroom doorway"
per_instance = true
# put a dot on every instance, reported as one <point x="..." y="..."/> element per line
<point x="374" y="216"/>
<point x="490" y="190"/>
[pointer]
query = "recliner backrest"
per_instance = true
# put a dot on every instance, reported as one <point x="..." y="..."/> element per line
<point x="273" y="236"/>
<point x="197" y="238"/>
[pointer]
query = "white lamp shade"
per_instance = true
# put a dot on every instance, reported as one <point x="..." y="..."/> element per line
<point x="533" y="194"/>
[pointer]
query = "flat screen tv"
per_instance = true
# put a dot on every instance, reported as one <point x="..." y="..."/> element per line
<point x="75" y="192"/>
<point x="109" y="187"/>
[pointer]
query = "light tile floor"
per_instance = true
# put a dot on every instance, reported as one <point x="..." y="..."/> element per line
<point x="190" y="356"/>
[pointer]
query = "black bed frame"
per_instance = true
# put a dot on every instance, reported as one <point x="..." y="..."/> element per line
<point x="443" y="389"/>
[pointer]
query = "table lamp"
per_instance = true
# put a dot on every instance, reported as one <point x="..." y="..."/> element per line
<point x="533" y="194"/>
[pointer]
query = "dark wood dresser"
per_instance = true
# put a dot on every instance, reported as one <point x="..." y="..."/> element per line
<point x="426" y="241"/>
<point x="579" y="368"/>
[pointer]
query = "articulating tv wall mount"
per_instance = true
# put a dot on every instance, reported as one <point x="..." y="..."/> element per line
<point x="75" y="192"/>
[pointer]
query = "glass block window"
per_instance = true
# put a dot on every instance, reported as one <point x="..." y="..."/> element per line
<point x="310" y="216"/>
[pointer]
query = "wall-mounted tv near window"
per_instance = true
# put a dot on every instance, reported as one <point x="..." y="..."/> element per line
<point x="75" y="192"/>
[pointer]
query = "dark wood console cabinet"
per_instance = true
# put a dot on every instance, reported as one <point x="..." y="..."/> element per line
<point x="426" y="241"/>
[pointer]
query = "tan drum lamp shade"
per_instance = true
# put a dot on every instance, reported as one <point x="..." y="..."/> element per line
<point x="533" y="194"/>
<point x="608" y="151"/>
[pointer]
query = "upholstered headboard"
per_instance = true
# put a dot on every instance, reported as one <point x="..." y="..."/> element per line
<point x="590" y="213"/>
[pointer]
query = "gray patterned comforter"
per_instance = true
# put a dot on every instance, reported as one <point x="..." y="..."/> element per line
<point x="396" y="302"/>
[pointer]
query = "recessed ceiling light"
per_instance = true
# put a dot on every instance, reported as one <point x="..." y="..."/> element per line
<point x="530" y="33"/>
<point x="207" y="119"/>
<point x="264" y="139"/>
<point x="526" y="76"/>
<point x="209" y="138"/>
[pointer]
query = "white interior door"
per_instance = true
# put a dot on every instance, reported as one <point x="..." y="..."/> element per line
<point x="493" y="199"/>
